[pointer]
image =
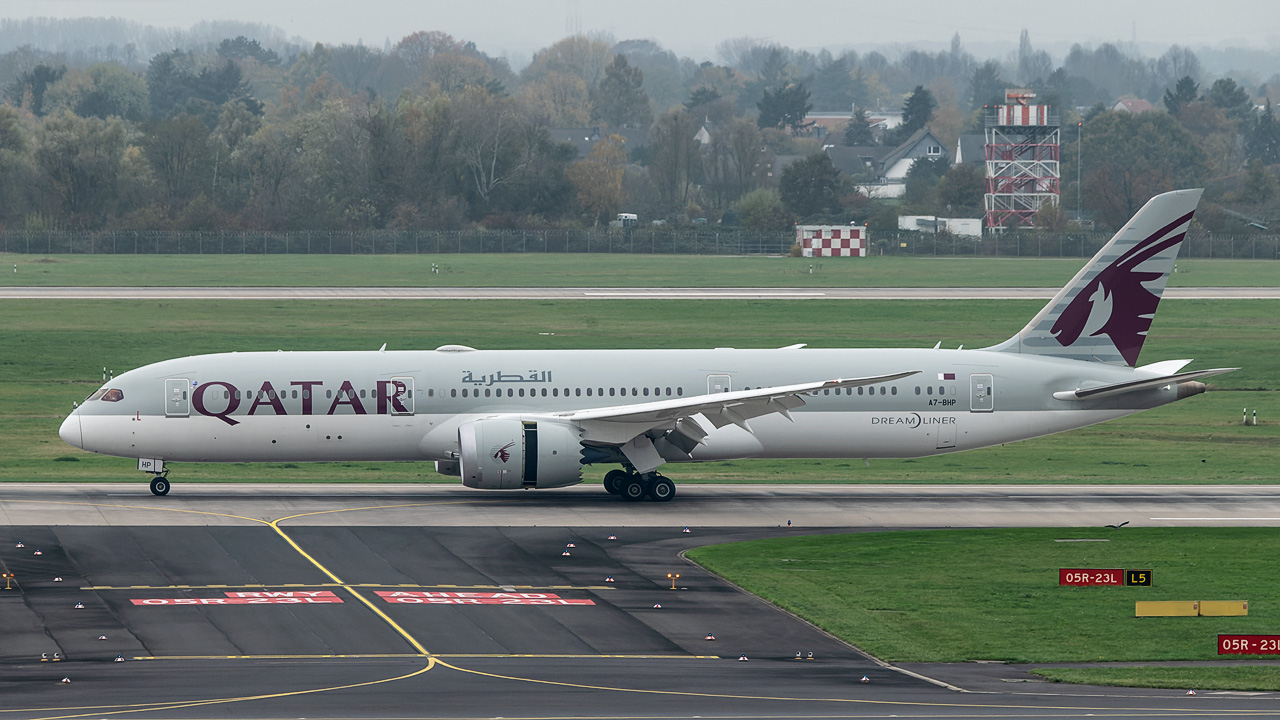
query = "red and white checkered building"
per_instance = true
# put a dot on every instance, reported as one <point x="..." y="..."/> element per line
<point x="832" y="240"/>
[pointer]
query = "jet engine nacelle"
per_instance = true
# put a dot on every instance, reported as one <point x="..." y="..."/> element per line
<point x="509" y="454"/>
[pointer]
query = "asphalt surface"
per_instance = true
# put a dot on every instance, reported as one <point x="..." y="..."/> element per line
<point x="596" y="649"/>
<point x="602" y="293"/>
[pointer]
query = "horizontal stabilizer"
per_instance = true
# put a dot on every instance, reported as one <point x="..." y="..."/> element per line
<point x="1136" y="385"/>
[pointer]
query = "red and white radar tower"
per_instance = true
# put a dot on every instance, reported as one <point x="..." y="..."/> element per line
<point x="1022" y="160"/>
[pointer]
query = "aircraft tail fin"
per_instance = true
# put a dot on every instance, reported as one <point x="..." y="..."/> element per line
<point x="1104" y="313"/>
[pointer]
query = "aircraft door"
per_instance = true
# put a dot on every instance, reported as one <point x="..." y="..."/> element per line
<point x="177" y="397"/>
<point x="719" y="384"/>
<point x="395" y="396"/>
<point x="981" y="393"/>
<point x="946" y="436"/>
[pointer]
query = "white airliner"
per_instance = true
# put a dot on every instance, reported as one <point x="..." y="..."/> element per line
<point x="513" y="419"/>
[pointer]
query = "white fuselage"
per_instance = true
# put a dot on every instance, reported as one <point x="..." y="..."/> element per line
<point x="408" y="405"/>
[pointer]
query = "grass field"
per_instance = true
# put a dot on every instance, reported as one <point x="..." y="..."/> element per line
<point x="581" y="270"/>
<point x="1237" y="678"/>
<point x="937" y="595"/>
<point x="52" y="353"/>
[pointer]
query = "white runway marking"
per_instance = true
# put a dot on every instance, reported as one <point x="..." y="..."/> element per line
<point x="1217" y="519"/>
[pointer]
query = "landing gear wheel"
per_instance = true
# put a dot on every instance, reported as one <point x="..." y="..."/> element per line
<point x="633" y="489"/>
<point x="662" y="489"/>
<point x="613" y="481"/>
<point x="159" y="485"/>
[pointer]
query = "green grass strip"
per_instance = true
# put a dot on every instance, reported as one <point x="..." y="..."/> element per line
<point x="585" y="270"/>
<point x="1239" y="678"/>
<point x="962" y="595"/>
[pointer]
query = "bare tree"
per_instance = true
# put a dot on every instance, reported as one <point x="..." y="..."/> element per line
<point x="487" y="138"/>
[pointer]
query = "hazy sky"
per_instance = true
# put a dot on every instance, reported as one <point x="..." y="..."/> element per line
<point x="694" y="27"/>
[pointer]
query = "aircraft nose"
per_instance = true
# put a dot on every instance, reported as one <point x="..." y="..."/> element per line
<point x="70" y="431"/>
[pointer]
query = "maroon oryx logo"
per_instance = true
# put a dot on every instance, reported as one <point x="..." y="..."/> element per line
<point x="502" y="454"/>
<point x="1115" y="302"/>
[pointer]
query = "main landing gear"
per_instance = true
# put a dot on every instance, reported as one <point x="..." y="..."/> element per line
<point x="160" y="483"/>
<point x="632" y="487"/>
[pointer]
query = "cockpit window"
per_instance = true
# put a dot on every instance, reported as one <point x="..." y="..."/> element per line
<point x="97" y="395"/>
<point x="113" y="395"/>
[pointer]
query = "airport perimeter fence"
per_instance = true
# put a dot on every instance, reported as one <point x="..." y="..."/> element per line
<point x="645" y="241"/>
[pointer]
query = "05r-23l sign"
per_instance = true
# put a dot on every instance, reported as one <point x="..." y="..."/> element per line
<point x="1085" y="577"/>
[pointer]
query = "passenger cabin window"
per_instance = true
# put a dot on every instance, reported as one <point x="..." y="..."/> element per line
<point x="113" y="395"/>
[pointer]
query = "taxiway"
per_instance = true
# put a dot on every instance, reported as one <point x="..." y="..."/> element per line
<point x="382" y="601"/>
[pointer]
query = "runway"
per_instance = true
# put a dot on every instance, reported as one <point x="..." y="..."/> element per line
<point x="395" y="601"/>
<point x="504" y="293"/>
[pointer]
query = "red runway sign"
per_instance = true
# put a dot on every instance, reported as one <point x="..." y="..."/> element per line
<point x="416" y="597"/>
<point x="295" y="597"/>
<point x="1249" y="644"/>
<point x="1086" y="577"/>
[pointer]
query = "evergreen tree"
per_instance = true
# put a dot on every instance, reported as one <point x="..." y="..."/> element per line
<point x="987" y="87"/>
<point x="787" y="106"/>
<point x="833" y="86"/>
<point x="1262" y="142"/>
<point x="30" y="86"/>
<point x="701" y="96"/>
<point x="1185" y="91"/>
<point x="858" y="131"/>
<point x="619" y="99"/>
<point x="1230" y="98"/>
<point x="917" y="111"/>
<point x="811" y="185"/>
<point x="242" y="48"/>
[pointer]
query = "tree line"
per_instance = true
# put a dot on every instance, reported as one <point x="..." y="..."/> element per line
<point x="433" y="133"/>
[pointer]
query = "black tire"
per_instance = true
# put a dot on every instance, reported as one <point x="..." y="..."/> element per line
<point x="159" y="486"/>
<point x="613" y="481"/>
<point x="662" y="489"/>
<point x="633" y="489"/>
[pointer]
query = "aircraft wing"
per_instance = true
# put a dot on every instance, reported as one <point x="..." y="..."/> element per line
<point x="618" y="424"/>
<point x="1135" y="385"/>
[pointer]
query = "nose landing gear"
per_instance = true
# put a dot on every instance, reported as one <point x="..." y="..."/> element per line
<point x="160" y="483"/>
